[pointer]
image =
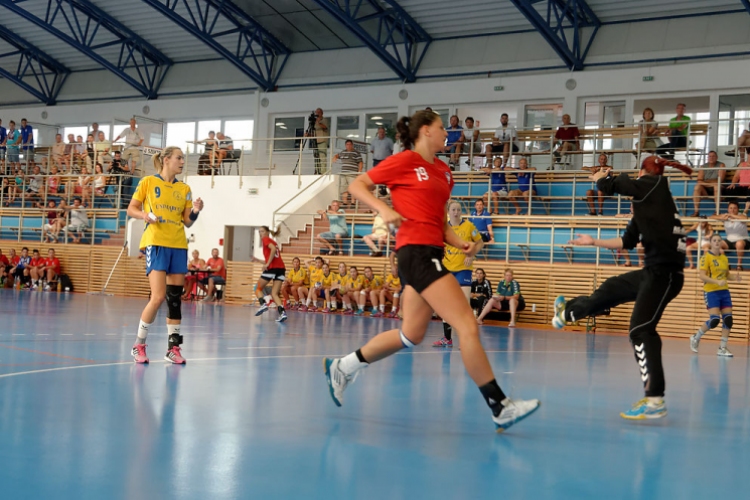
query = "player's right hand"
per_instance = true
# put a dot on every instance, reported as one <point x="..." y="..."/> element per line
<point x="391" y="217"/>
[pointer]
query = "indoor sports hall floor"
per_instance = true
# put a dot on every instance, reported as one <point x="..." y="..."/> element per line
<point x="250" y="415"/>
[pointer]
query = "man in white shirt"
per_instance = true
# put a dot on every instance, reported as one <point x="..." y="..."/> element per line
<point x="102" y="147"/>
<point x="133" y="142"/>
<point x="79" y="219"/>
<point x="504" y="141"/>
<point x="381" y="147"/>
<point x="735" y="225"/>
<point x="57" y="153"/>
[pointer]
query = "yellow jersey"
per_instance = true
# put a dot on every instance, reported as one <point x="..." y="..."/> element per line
<point x="353" y="284"/>
<point x="327" y="280"/>
<point x="454" y="257"/>
<point x="168" y="201"/>
<point x="716" y="267"/>
<point x="338" y="280"/>
<point x="316" y="274"/>
<point x="393" y="282"/>
<point x="376" y="283"/>
<point x="298" y="275"/>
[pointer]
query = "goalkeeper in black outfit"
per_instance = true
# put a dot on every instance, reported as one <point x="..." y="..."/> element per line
<point x="657" y="226"/>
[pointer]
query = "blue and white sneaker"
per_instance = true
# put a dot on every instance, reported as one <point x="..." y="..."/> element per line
<point x="337" y="380"/>
<point x="262" y="309"/>
<point x="558" y="320"/>
<point x="282" y="317"/>
<point x="514" y="411"/>
<point x="359" y="312"/>
<point x="644" y="409"/>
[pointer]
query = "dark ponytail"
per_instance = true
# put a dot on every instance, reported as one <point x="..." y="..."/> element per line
<point x="272" y="233"/>
<point x="408" y="127"/>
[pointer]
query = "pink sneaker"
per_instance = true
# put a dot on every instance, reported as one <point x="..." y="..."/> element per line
<point x="312" y="309"/>
<point x="378" y="314"/>
<point x="393" y="314"/>
<point x="139" y="353"/>
<point x="326" y="310"/>
<point x="348" y="312"/>
<point x="302" y="308"/>
<point x="175" y="356"/>
<point x="443" y="343"/>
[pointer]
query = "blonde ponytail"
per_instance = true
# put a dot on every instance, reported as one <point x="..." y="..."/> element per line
<point x="157" y="162"/>
<point x="166" y="153"/>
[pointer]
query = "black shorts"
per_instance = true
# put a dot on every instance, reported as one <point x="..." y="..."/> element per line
<point x="733" y="244"/>
<point x="505" y="305"/>
<point x="499" y="148"/>
<point x="485" y="236"/>
<point x="420" y="266"/>
<point x="274" y="274"/>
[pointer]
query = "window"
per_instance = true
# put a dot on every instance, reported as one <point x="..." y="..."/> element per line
<point x="182" y="135"/>
<point x="107" y="129"/>
<point x="385" y="120"/>
<point x="76" y="131"/>
<point x="241" y="131"/>
<point x="542" y="116"/>
<point x="734" y="117"/>
<point x="347" y="127"/>
<point x="287" y="132"/>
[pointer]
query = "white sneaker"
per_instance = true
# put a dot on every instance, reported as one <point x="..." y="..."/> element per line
<point x="558" y="320"/>
<point x="282" y="317"/>
<point x="723" y="351"/>
<point x="337" y="380"/>
<point x="261" y="310"/>
<point x="514" y="411"/>
<point x="694" y="341"/>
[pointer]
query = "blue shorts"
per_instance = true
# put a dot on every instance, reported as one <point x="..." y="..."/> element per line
<point x="13" y="156"/>
<point x="463" y="277"/>
<point x="720" y="299"/>
<point x="171" y="260"/>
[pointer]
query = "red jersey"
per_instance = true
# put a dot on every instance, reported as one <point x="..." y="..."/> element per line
<point x="277" y="262"/>
<point x="15" y="260"/>
<point x="214" y="263"/>
<point x="37" y="262"/>
<point x="53" y="263"/>
<point x="4" y="260"/>
<point x="420" y="191"/>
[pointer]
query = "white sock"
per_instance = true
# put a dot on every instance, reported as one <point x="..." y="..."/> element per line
<point x="382" y="308"/>
<point x="350" y="364"/>
<point x="173" y="329"/>
<point x="268" y="299"/>
<point x="655" y="400"/>
<point x="333" y="303"/>
<point x="308" y="301"/>
<point x="723" y="343"/>
<point x="699" y="334"/>
<point x="142" y="332"/>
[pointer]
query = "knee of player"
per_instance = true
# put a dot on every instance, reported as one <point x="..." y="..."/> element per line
<point x="158" y="297"/>
<point x="410" y="338"/>
<point x="727" y="321"/>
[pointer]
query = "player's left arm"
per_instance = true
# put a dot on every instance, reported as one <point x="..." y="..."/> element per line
<point x="190" y="214"/>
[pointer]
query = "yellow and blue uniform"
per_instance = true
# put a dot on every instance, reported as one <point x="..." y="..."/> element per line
<point x="716" y="267"/>
<point x="298" y="275"/>
<point x="165" y="242"/>
<point x="354" y="283"/>
<point x="327" y="281"/>
<point x="376" y="283"/>
<point x="393" y="282"/>
<point x="316" y="274"/>
<point x="454" y="257"/>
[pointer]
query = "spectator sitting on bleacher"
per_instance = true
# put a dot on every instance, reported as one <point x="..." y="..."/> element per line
<point x="455" y="133"/>
<point x="740" y="186"/>
<point x="498" y="185"/>
<point x="79" y="219"/>
<point x="705" y="232"/>
<point x="34" y="184"/>
<point x="391" y="291"/>
<point x="11" y="188"/>
<point x="194" y="277"/>
<point x="20" y="270"/>
<point x="743" y="144"/>
<point x="591" y="193"/>
<point x="51" y="229"/>
<point x="90" y="150"/>
<point x="69" y="151"/>
<point x="503" y="142"/>
<point x="215" y="265"/>
<point x="56" y="154"/>
<point x="525" y="176"/>
<point x="80" y="155"/>
<point x="83" y="185"/>
<point x="100" y="180"/>
<point x="678" y="130"/>
<point x="567" y="137"/>
<point x="735" y="225"/>
<point x="482" y="220"/>
<point x="51" y="268"/>
<point x="54" y="182"/>
<point x="709" y="181"/>
<point x="507" y="298"/>
<point x="351" y="166"/>
<point x="337" y="231"/>
<point x="225" y="148"/>
<point x="378" y="237"/>
<point x="481" y="291"/>
<point x="470" y="143"/>
<point x="102" y="148"/>
<point x="648" y="133"/>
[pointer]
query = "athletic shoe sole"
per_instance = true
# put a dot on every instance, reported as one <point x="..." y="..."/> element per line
<point x="644" y="416"/>
<point x="502" y="428"/>
<point x="327" y="370"/>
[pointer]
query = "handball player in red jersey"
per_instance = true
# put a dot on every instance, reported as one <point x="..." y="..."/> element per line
<point x="273" y="270"/>
<point x="420" y="187"/>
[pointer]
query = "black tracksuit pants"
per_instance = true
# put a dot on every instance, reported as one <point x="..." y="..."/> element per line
<point x="652" y="289"/>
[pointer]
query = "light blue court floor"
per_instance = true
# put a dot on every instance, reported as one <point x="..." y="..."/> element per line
<point x="250" y="415"/>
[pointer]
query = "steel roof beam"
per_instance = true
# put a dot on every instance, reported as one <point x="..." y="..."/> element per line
<point x="569" y="26"/>
<point x="89" y="29"/>
<point x="392" y="34"/>
<point x="248" y="46"/>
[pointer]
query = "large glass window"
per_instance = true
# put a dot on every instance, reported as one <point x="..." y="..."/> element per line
<point x="76" y="131"/>
<point x="375" y="120"/>
<point x="697" y="108"/>
<point x="542" y="116"/>
<point x="181" y="134"/>
<point x="347" y="127"/>
<point x="734" y="118"/>
<point x="240" y="131"/>
<point x="288" y="132"/>
<point x="107" y="129"/>
<point x="204" y="127"/>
